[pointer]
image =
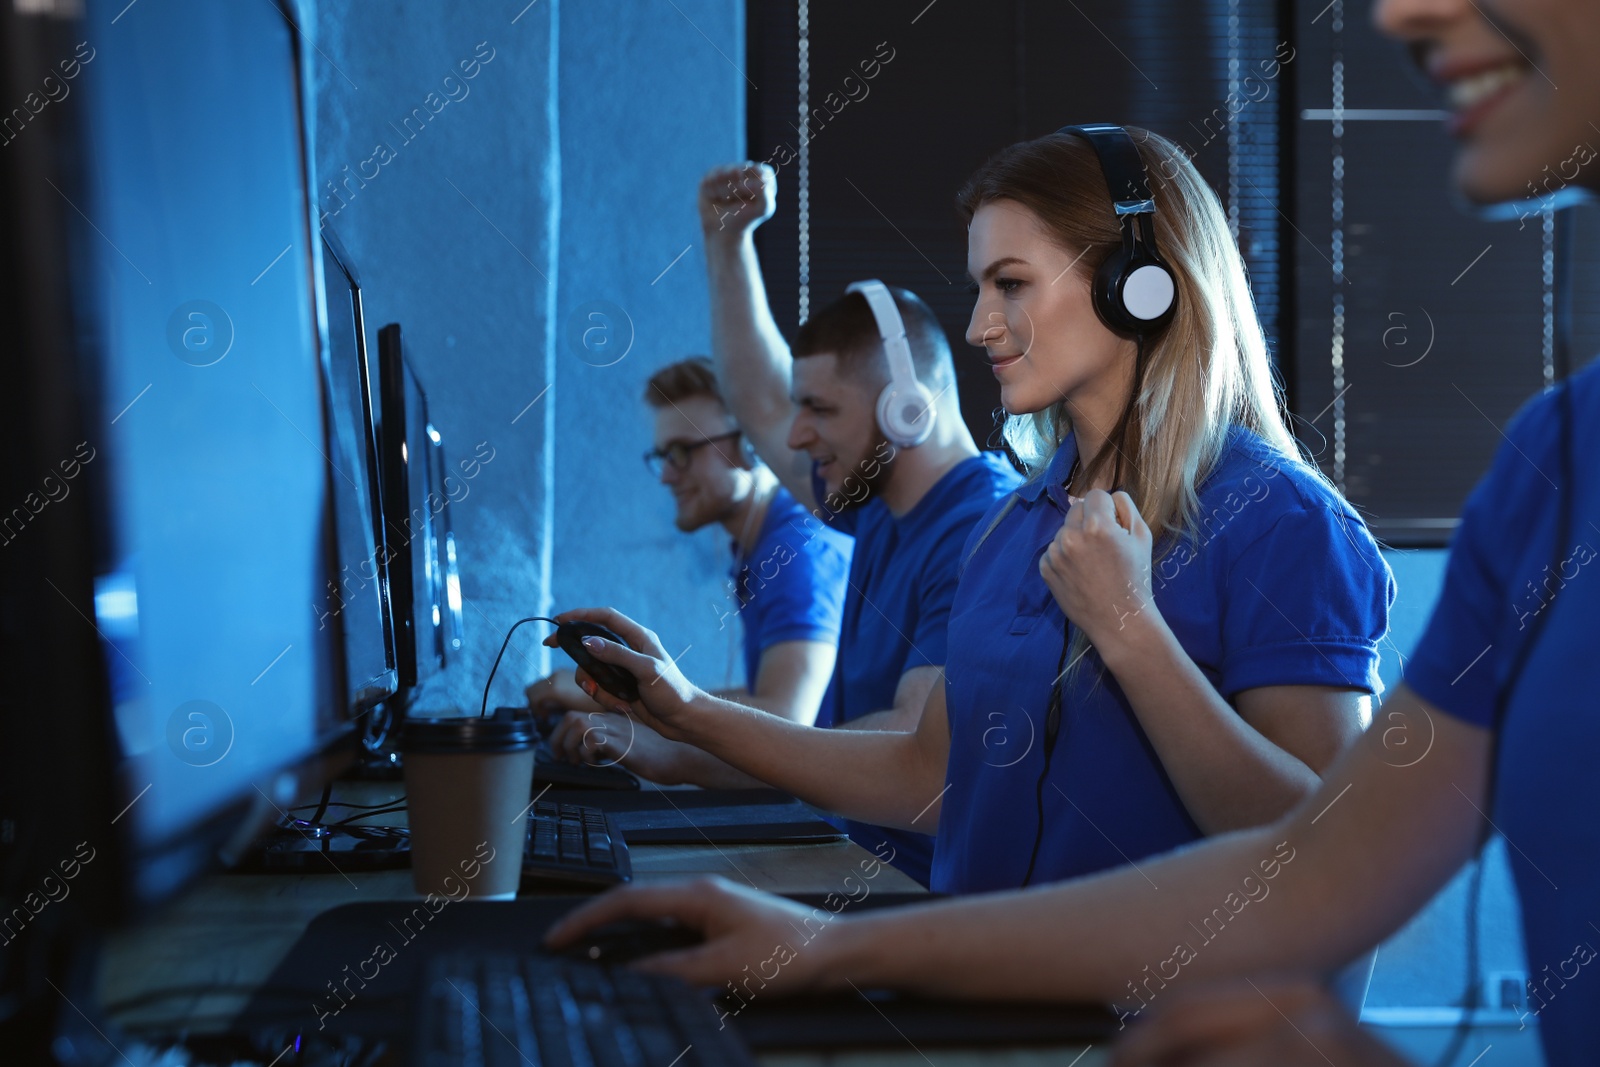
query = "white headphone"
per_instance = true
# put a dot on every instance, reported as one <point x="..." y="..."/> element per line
<point x="905" y="407"/>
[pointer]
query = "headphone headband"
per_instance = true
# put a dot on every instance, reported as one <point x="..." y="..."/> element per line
<point x="1134" y="290"/>
<point x="1120" y="162"/>
<point x="891" y="328"/>
<point x="905" y="410"/>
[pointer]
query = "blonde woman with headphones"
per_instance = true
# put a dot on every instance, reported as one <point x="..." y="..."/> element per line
<point x="1171" y="629"/>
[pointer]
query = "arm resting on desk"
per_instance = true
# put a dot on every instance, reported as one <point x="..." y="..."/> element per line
<point x="606" y="738"/>
<point x="1307" y="893"/>
<point x="882" y="777"/>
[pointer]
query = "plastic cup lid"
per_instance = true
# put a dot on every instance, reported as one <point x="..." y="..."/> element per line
<point x="507" y="730"/>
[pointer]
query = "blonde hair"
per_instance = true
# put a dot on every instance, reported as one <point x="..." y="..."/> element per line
<point x="1206" y="371"/>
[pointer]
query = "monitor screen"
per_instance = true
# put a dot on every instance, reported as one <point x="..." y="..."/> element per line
<point x="206" y="433"/>
<point x="451" y="632"/>
<point x="427" y="503"/>
<point x="412" y="509"/>
<point x="357" y="600"/>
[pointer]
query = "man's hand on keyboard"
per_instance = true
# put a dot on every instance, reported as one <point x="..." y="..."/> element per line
<point x="786" y="944"/>
<point x="557" y="693"/>
<point x="605" y="738"/>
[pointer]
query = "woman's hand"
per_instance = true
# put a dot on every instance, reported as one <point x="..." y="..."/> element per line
<point x="747" y="932"/>
<point x="1265" y="1023"/>
<point x="604" y="739"/>
<point x="1098" y="568"/>
<point x="666" y="698"/>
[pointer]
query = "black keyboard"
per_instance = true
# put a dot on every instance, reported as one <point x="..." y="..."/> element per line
<point x="573" y="845"/>
<point x="564" y="775"/>
<point x="503" y="1010"/>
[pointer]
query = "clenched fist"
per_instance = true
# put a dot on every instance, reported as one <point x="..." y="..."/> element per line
<point x="1098" y="567"/>
<point x="736" y="198"/>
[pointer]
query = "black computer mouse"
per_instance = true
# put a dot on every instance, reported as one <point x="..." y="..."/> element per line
<point x="631" y="939"/>
<point x="614" y="680"/>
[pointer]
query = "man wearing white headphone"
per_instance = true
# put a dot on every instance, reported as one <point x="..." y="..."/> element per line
<point x="862" y="425"/>
<point x="861" y="422"/>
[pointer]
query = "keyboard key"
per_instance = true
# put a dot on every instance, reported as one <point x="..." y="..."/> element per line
<point x="494" y="1009"/>
<point x="576" y="844"/>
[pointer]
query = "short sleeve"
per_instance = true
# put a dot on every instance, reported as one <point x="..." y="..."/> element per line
<point x="1453" y="667"/>
<point x="930" y="641"/>
<point x="803" y="600"/>
<point x="1306" y="603"/>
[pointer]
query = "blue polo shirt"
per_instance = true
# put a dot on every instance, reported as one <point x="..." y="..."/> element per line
<point x="1280" y="584"/>
<point x="791" y="585"/>
<point x="897" y="609"/>
<point x="1502" y="576"/>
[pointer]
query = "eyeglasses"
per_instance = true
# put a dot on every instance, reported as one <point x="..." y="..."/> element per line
<point x="679" y="453"/>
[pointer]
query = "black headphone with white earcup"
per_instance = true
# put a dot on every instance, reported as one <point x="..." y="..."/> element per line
<point x="1134" y="290"/>
<point x="1134" y="293"/>
<point x="905" y="407"/>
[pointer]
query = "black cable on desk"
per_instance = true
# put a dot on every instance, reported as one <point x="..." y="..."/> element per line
<point x="350" y="804"/>
<point x="398" y="807"/>
<point x="322" y="805"/>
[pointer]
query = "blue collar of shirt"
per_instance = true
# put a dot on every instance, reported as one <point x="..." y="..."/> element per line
<point x="1054" y="479"/>
<point x="949" y="488"/>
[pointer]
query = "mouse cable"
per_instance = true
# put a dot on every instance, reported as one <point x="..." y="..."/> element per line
<point x="392" y="809"/>
<point x="1052" y="726"/>
<point x="322" y="805"/>
<point x="484" y="710"/>
<point x="350" y="804"/>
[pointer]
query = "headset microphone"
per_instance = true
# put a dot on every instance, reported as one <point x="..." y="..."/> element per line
<point x="905" y="407"/>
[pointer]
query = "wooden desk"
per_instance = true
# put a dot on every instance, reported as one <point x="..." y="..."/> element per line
<point x="223" y="938"/>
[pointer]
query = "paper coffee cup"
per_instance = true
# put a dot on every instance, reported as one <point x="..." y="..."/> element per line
<point x="468" y="779"/>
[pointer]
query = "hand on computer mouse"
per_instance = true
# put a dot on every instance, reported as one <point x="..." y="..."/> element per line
<point x="666" y="697"/>
<point x="794" y="948"/>
<point x="631" y="939"/>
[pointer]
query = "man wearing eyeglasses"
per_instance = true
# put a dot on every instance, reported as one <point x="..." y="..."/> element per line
<point x="785" y="591"/>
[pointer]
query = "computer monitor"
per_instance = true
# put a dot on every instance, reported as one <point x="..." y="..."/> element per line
<point x="207" y="422"/>
<point x="166" y="672"/>
<point x="359" y="599"/>
<point x="411" y="513"/>
<point x="443" y="623"/>
<point x="452" y="632"/>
